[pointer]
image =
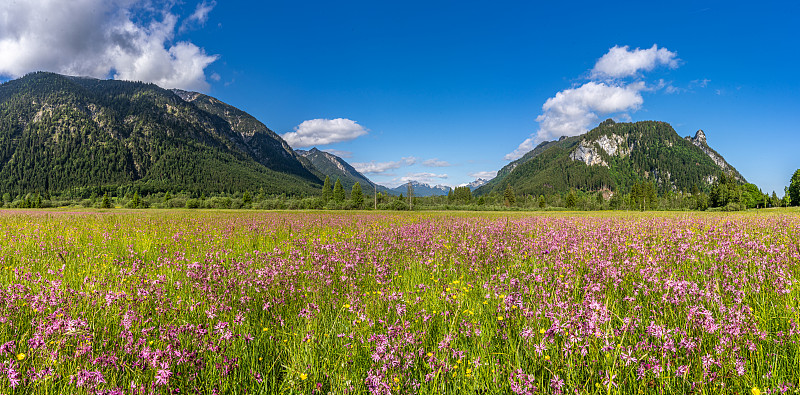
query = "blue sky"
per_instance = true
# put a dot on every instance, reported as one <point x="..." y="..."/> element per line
<point x="444" y="91"/>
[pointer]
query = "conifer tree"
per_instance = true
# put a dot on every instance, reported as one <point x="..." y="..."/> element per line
<point x="356" y="195"/>
<point x="509" y="197"/>
<point x="338" y="192"/>
<point x="572" y="199"/>
<point x="326" y="189"/>
<point x="106" y="201"/>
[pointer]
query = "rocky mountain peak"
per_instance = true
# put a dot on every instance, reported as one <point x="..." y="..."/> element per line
<point x="699" y="137"/>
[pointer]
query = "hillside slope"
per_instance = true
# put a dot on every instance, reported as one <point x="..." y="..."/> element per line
<point x="615" y="156"/>
<point x="58" y="133"/>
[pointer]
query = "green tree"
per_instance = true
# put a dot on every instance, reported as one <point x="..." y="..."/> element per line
<point x="571" y="199"/>
<point x="509" y="196"/>
<point x="106" y="201"/>
<point x="167" y="197"/>
<point x="135" y="202"/>
<point x="338" y="192"/>
<point x="247" y="198"/>
<point x="794" y="189"/>
<point x="774" y="201"/>
<point x="356" y="195"/>
<point x="327" y="193"/>
<point x="542" y="202"/>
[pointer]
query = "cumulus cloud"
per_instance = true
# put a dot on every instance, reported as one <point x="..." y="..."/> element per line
<point x="486" y="175"/>
<point x="123" y="39"/>
<point x="572" y="111"/>
<point x="373" y="167"/>
<point x="621" y="62"/>
<point x="324" y="131"/>
<point x="435" y="162"/>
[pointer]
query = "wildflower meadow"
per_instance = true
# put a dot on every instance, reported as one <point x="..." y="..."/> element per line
<point x="184" y="302"/>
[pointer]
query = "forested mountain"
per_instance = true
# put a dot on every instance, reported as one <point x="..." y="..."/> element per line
<point x="61" y="133"/>
<point x="615" y="156"/>
<point x="337" y="168"/>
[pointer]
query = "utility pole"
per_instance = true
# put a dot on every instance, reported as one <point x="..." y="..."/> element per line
<point x="410" y="193"/>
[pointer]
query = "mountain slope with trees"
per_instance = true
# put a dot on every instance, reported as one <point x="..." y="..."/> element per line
<point x="335" y="167"/>
<point x="615" y="156"/>
<point x="69" y="134"/>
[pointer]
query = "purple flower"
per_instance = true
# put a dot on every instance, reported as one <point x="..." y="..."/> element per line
<point x="163" y="375"/>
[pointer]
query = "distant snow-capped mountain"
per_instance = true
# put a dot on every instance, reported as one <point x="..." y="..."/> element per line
<point x="475" y="184"/>
<point x="421" y="189"/>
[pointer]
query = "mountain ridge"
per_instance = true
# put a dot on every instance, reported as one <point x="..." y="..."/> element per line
<point x="59" y="133"/>
<point x="335" y="167"/>
<point x="615" y="156"/>
<point x="421" y="189"/>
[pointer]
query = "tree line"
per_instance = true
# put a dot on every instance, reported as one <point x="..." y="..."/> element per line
<point x="725" y="194"/>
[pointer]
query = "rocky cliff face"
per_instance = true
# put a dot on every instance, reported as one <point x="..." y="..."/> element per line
<point x="699" y="140"/>
<point x="586" y="153"/>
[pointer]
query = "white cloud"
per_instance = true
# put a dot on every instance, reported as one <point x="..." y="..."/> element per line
<point x="199" y="16"/>
<point x="699" y="83"/>
<point x="339" y="153"/>
<point x="324" y="131"/>
<point x="486" y="175"/>
<point x="621" y="62"/>
<point x="373" y="167"/>
<point x="435" y="162"/>
<point x="572" y="111"/>
<point x="99" y="38"/>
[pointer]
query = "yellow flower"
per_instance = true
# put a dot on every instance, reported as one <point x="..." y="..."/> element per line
<point x="542" y="331"/>
<point x="499" y="317"/>
<point x="303" y="376"/>
<point x="20" y="356"/>
<point x="430" y="354"/>
<point x="346" y="306"/>
<point x="755" y="391"/>
<point x="396" y="379"/>
<point x="547" y="357"/>
<point x="265" y="329"/>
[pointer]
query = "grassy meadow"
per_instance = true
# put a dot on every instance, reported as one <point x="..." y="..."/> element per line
<point x="225" y="302"/>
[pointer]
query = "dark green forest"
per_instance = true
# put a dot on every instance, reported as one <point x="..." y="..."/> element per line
<point x="68" y="135"/>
